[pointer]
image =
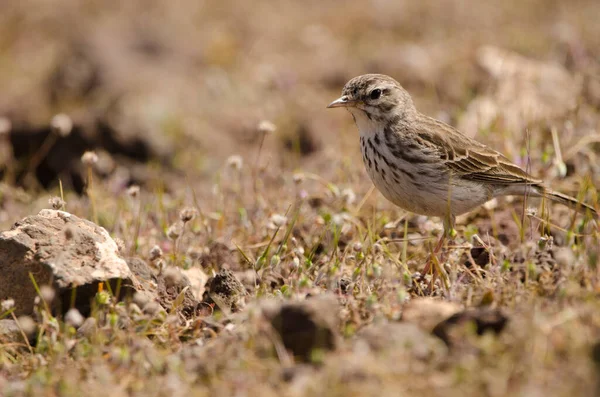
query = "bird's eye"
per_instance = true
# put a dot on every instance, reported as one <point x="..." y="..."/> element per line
<point x="375" y="94"/>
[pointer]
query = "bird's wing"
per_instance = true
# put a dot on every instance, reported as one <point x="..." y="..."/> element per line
<point x="471" y="160"/>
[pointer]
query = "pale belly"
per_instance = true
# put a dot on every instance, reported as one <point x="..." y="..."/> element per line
<point x="412" y="183"/>
<point x="425" y="190"/>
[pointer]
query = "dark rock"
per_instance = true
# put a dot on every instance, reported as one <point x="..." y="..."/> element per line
<point x="226" y="291"/>
<point x="484" y="319"/>
<point x="80" y="259"/>
<point x="63" y="157"/>
<point x="483" y="253"/>
<point x="143" y="272"/>
<point x="344" y="284"/>
<point x="480" y="255"/>
<point x="307" y="326"/>
<point x="595" y="353"/>
<point x="316" y="202"/>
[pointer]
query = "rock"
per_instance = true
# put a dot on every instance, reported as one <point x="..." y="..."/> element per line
<point x="344" y="284"/>
<point x="484" y="319"/>
<point x="10" y="332"/>
<point x="61" y="250"/>
<point x="306" y="326"/>
<point x="484" y="253"/>
<point x="63" y="159"/>
<point x="595" y="353"/>
<point x="143" y="272"/>
<point x="428" y="312"/>
<point x="172" y="283"/>
<point x="480" y="255"/>
<point x="226" y="291"/>
<point x="406" y="336"/>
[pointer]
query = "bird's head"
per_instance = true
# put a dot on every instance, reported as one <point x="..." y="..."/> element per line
<point x="376" y="98"/>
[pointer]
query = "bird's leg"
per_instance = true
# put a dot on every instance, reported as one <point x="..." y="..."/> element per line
<point x="428" y="268"/>
<point x="448" y="232"/>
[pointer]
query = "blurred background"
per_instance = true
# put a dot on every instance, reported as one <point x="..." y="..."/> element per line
<point x="166" y="91"/>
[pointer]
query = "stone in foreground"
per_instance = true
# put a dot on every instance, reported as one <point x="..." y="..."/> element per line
<point x="61" y="250"/>
<point x="307" y="326"/>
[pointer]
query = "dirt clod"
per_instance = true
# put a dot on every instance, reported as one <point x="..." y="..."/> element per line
<point x="307" y="326"/>
<point x="484" y="319"/>
<point x="226" y="291"/>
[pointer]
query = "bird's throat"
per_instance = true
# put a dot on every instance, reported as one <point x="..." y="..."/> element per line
<point x="367" y="125"/>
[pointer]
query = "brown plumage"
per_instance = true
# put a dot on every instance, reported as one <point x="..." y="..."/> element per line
<point x="426" y="166"/>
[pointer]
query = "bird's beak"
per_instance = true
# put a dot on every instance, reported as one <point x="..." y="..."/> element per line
<point x="342" y="102"/>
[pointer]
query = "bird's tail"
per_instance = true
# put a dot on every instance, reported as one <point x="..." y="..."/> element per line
<point x="570" y="202"/>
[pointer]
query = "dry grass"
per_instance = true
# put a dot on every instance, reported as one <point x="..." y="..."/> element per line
<point x="199" y="77"/>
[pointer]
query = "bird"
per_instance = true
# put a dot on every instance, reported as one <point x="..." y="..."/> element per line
<point x="426" y="166"/>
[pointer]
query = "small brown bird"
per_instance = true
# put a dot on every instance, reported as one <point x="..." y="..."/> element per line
<point x="426" y="166"/>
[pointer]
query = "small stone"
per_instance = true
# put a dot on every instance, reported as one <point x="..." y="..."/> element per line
<point x="307" y="327"/>
<point x="480" y="255"/>
<point x="485" y="319"/>
<point x="344" y="284"/>
<point x="10" y="331"/>
<point x="226" y="290"/>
